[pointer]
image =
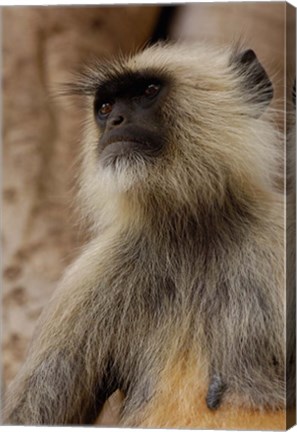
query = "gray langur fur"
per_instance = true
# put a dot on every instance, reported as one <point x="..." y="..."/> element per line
<point x="186" y="264"/>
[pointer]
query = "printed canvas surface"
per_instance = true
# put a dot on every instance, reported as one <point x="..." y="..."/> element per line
<point x="149" y="215"/>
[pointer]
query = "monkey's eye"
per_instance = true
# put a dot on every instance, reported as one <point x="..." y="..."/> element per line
<point x="152" y="90"/>
<point x="105" y="109"/>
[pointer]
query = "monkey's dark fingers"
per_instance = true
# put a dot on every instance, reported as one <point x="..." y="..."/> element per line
<point x="215" y="392"/>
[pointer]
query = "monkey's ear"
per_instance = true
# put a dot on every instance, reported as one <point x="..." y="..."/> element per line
<point x="255" y="81"/>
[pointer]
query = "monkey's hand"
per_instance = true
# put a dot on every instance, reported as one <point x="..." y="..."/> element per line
<point x="216" y="390"/>
<point x="67" y="377"/>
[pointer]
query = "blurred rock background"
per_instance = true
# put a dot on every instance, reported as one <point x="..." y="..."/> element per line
<point x="40" y="46"/>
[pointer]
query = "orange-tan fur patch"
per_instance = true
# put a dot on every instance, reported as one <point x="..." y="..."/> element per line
<point x="180" y="403"/>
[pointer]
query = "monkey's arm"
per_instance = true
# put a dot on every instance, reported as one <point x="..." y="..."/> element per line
<point x="67" y="376"/>
<point x="247" y="347"/>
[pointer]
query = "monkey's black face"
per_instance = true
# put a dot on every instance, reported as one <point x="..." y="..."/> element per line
<point x="128" y="113"/>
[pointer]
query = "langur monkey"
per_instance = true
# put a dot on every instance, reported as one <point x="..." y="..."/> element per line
<point x="181" y="289"/>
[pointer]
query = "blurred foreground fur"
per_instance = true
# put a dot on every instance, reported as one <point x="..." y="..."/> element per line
<point x="183" y="281"/>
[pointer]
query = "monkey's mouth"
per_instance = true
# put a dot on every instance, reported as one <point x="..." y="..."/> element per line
<point x="128" y="150"/>
<point x="123" y="146"/>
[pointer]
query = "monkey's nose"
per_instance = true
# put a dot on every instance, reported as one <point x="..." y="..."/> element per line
<point x="117" y="120"/>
